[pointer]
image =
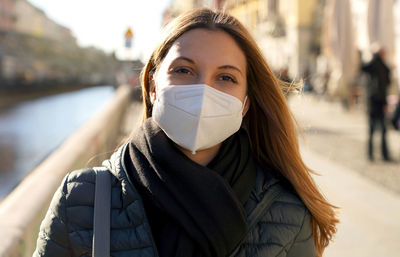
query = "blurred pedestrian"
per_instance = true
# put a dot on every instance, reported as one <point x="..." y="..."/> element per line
<point x="214" y="169"/>
<point x="308" y="87"/>
<point x="376" y="92"/>
<point x="396" y="116"/>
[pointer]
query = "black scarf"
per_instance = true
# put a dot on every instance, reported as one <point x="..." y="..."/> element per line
<point x="193" y="210"/>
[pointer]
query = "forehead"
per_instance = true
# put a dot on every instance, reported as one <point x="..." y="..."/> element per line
<point x="215" y="46"/>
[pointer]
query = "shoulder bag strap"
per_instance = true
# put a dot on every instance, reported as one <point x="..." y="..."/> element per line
<point x="101" y="217"/>
<point x="270" y="196"/>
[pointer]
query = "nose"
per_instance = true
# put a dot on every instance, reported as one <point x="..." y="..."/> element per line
<point x="205" y="78"/>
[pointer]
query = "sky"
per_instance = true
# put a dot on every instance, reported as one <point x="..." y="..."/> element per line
<point x="102" y="23"/>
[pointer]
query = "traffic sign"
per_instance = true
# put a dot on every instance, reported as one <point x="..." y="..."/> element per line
<point x="128" y="38"/>
<point x="128" y="34"/>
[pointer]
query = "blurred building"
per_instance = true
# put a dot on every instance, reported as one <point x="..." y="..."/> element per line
<point x="249" y="12"/>
<point x="180" y="6"/>
<point x="7" y="15"/>
<point x="396" y="10"/>
<point x="129" y="72"/>
<point x="33" y="21"/>
<point x="351" y="28"/>
<point x="317" y="39"/>
<point x="38" y="53"/>
<point x="284" y="30"/>
<point x="339" y="47"/>
<point x="7" y="23"/>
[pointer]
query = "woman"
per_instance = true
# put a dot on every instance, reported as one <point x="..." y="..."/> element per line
<point x="216" y="139"/>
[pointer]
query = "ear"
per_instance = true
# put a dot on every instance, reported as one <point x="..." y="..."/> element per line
<point x="246" y="106"/>
<point x="152" y="92"/>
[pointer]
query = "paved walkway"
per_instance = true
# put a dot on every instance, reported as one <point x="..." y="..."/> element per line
<point x="369" y="209"/>
<point x="369" y="214"/>
<point x="341" y="137"/>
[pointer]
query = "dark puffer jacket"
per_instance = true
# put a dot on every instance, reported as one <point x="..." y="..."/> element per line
<point x="67" y="229"/>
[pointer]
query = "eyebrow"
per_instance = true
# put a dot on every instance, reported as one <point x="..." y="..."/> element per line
<point x="184" y="58"/>
<point x="230" y="67"/>
<point x="220" y="67"/>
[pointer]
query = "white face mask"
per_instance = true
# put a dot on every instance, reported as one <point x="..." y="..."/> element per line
<point x="198" y="116"/>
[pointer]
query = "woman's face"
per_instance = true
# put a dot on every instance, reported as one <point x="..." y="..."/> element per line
<point x="202" y="56"/>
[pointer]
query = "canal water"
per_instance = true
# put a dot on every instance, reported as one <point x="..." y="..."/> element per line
<point x="30" y="131"/>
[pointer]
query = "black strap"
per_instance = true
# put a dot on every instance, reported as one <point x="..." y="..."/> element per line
<point x="273" y="192"/>
<point x="101" y="217"/>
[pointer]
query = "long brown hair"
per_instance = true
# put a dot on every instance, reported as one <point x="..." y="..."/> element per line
<point x="269" y="122"/>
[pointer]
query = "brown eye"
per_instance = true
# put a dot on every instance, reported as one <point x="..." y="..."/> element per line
<point x="182" y="70"/>
<point x="228" y="78"/>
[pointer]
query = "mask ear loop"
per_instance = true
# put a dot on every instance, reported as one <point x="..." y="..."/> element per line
<point x="156" y="94"/>
<point x="154" y="98"/>
<point x="244" y="103"/>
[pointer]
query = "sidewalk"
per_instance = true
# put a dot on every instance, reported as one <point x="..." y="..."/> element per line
<point x="367" y="193"/>
<point x="341" y="137"/>
<point x="369" y="214"/>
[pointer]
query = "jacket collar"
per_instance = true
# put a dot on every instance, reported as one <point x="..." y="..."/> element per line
<point x="116" y="165"/>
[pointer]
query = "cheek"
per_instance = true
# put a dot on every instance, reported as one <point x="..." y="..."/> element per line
<point x="239" y="91"/>
<point x="161" y="79"/>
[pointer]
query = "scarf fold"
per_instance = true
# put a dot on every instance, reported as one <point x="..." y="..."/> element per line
<point x="193" y="210"/>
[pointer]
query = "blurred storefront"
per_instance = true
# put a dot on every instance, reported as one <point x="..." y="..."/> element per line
<point x="321" y="40"/>
<point x="180" y="6"/>
<point x="339" y="47"/>
<point x="284" y="29"/>
<point x="396" y="13"/>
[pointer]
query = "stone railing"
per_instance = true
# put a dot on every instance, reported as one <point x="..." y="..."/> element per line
<point x="23" y="209"/>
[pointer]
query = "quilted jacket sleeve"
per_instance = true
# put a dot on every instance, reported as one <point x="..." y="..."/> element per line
<point x="303" y="245"/>
<point x="53" y="236"/>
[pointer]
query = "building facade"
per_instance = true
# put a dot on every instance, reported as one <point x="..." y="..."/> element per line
<point x="396" y="10"/>
<point x="7" y="15"/>
<point x="284" y="30"/>
<point x="292" y="33"/>
<point x="36" y="52"/>
<point x="249" y="12"/>
<point x="33" y="21"/>
<point x="180" y="6"/>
